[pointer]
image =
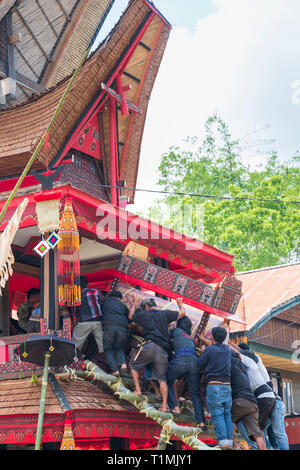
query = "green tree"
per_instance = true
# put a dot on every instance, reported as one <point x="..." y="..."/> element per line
<point x="258" y="233"/>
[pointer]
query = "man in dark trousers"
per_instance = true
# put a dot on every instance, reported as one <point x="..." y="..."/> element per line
<point x="263" y="392"/>
<point x="244" y="404"/>
<point x="216" y="360"/>
<point x="115" y="331"/>
<point x="275" y="421"/>
<point x="88" y="316"/>
<point x="155" y="349"/>
<point x="184" y="365"/>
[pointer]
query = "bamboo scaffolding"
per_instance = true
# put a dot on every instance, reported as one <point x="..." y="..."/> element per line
<point x="42" y="403"/>
<point x="189" y="435"/>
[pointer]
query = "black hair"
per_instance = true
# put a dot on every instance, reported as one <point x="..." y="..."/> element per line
<point x="117" y="294"/>
<point x="185" y="324"/>
<point x="219" y="334"/>
<point x="244" y="346"/>
<point x="235" y="354"/>
<point x="32" y="291"/>
<point x="150" y="302"/>
<point x="251" y="354"/>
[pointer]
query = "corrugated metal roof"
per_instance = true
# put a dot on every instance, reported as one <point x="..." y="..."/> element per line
<point x="265" y="290"/>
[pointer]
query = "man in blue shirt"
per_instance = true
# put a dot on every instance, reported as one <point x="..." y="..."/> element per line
<point x="216" y="360"/>
<point x="184" y="365"/>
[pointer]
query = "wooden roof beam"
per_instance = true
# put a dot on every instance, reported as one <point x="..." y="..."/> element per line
<point x="46" y="18"/>
<point x="145" y="46"/>
<point x="127" y="74"/>
<point x="26" y="25"/>
<point x="68" y="17"/>
<point x="116" y="97"/>
<point x="29" y="84"/>
<point x="26" y="61"/>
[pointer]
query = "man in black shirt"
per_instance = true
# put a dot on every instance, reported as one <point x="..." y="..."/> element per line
<point x="115" y="331"/>
<point x="244" y="404"/>
<point x="154" y="351"/>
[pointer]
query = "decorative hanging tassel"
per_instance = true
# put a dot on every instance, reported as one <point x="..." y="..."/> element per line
<point x="6" y="239"/>
<point x="68" y="442"/>
<point x="69" y="292"/>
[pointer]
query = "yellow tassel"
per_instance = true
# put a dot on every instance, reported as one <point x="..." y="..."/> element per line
<point x="68" y="442"/>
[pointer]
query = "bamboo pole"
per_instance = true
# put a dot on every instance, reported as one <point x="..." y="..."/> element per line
<point x="42" y="403"/>
<point x="42" y="140"/>
<point x="186" y="433"/>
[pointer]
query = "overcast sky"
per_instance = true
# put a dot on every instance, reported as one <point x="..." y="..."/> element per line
<point x="240" y="58"/>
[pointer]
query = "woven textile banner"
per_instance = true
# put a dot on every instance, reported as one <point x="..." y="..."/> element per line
<point x="221" y="301"/>
<point x="168" y="280"/>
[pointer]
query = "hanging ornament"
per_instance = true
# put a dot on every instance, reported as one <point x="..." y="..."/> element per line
<point x="51" y="347"/>
<point x="42" y="248"/>
<point x="68" y="441"/>
<point x="53" y="240"/>
<point x="69" y="292"/>
<point x="6" y="255"/>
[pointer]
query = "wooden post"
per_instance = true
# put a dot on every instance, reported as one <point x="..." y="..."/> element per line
<point x="49" y="289"/>
<point x="4" y="311"/>
<point x="113" y="156"/>
<point x="45" y="287"/>
<point x="42" y="403"/>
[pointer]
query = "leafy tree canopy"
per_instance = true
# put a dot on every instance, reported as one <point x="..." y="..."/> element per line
<point x="258" y="233"/>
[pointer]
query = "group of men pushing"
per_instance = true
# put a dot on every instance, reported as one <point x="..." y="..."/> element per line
<point x="238" y="388"/>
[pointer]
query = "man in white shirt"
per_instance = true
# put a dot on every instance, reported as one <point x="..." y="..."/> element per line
<point x="276" y="416"/>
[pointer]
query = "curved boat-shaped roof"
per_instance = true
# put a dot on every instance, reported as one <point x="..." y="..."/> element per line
<point x="21" y="128"/>
<point x="54" y="35"/>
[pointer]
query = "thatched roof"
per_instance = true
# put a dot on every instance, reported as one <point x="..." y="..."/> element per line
<point x="22" y="127"/>
<point x="54" y="36"/>
<point x="23" y="397"/>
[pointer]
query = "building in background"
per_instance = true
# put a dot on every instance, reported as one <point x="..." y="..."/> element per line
<point x="271" y="309"/>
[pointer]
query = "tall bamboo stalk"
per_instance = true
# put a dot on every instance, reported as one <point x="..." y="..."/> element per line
<point x="186" y="433"/>
<point x="42" y="403"/>
<point x="42" y="140"/>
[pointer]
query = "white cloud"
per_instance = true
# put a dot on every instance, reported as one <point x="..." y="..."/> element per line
<point x="242" y="62"/>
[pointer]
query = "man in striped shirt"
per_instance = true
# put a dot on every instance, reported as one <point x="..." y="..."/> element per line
<point x="88" y="316"/>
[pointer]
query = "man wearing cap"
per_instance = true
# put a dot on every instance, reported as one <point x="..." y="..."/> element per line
<point x="154" y="351"/>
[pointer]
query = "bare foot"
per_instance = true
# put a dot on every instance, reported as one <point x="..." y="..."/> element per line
<point x="137" y="392"/>
<point x="176" y="410"/>
<point x="202" y="426"/>
<point x="163" y="409"/>
<point x="115" y="373"/>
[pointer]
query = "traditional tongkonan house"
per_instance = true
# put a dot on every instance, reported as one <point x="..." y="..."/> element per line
<point x="80" y="133"/>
